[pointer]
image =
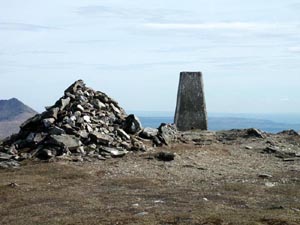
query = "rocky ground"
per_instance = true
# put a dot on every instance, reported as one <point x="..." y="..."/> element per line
<point x="228" y="177"/>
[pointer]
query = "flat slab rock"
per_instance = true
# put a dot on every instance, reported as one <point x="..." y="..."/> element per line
<point x="9" y="164"/>
<point x="4" y="156"/>
<point x="100" y="138"/>
<point x="149" y="132"/>
<point x="114" y="152"/>
<point x="65" y="140"/>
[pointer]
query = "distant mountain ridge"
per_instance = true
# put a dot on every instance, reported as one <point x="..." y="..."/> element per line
<point x="13" y="113"/>
<point x="13" y="108"/>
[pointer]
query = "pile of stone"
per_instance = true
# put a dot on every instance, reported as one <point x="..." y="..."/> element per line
<point x="83" y="124"/>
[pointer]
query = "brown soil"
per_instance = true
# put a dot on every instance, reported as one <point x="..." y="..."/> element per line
<point x="214" y="180"/>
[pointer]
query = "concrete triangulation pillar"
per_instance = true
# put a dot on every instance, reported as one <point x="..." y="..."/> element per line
<point x="191" y="109"/>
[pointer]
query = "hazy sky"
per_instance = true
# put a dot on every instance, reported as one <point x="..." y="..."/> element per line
<point x="248" y="51"/>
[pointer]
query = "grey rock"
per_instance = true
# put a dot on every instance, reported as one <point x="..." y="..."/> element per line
<point x="83" y="99"/>
<point x="132" y="124"/>
<point x="289" y="159"/>
<point x="142" y="214"/>
<point x="39" y="137"/>
<point x="33" y="152"/>
<point x="167" y="133"/>
<point x="80" y="108"/>
<point x="279" y="153"/>
<point x="289" y="132"/>
<point x="68" y="129"/>
<point x="32" y="122"/>
<point x="80" y="120"/>
<point x="81" y="150"/>
<point x="98" y="104"/>
<point x="253" y="132"/>
<point x="13" y="185"/>
<point x="4" y="156"/>
<point x="83" y="134"/>
<point x="77" y="158"/>
<point x="271" y="150"/>
<point x="104" y="130"/>
<point x="77" y="114"/>
<point x="64" y="102"/>
<point x="9" y="164"/>
<point x="89" y="107"/>
<point x="65" y="140"/>
<point x="91" y="153"/>
<point x="157" y="141"/>
<point x="87" y="119"/>
<point x="70" y="121"/>
<point x="65" y="157"/>
<point x="114" y="152"/>
<point x="111" y="118"/>
<point x="48" y="122"/>
<point x="265" y="176"/>
<point x="45" y="154"/>
<point x="79" y="92"/>
<point x="123" y="134"/>
<point x="125" y="145"/>
<point x="51" y="113"/>
<point x="149" y="132"/>
<point x="12" y="150"/>
<point x="92" y="146"/>
<point x="270" y="184"/>
<point x="100" y="138"/>
<point x="106" y="155"/>
<point x="115" y="109"/>
<point x="24" y="155"/>
<point x="111" y="129"/>
<point x="75" y="86"/>
<point x="68" y="94"/>
<point x="89" y="128"/>
<point x="30" y="137"/>
<point x="56" y="130"/>
<point x="73" y="118"/>
<point x="137" y="145"/>
<point x="100" y="157"/>
<point x="103" y="98"/>
<point x="86" y="93"/>
<point x="21" y="144"/>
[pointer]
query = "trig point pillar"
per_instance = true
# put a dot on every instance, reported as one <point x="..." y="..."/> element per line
<point x="191" y="109"/>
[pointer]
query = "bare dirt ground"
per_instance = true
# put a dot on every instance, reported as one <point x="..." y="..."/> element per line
<point x="215" y="179"/>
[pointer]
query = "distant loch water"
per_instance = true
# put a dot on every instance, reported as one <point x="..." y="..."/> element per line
<point x="272" y="123"/>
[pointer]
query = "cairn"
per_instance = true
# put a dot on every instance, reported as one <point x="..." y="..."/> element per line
<point x="83" y="123"/>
